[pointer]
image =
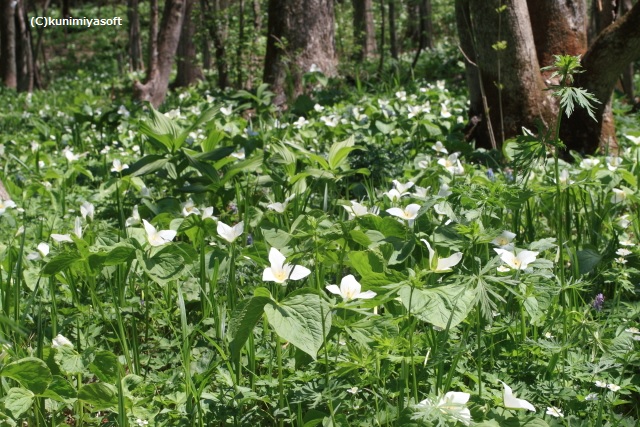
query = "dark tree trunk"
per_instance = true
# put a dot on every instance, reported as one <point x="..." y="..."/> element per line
<point x="218" y="29"/>
<point x="613" y="50"/>
<point x="25" y="66"/>
<point x="241" y="41"/>
<point x="66" y="8"/>
<point x="300" y="34"/>
<point x="156" y="85"/>
<point x="363" y="30"/>
<point x="8" y="44"/>
<point x="425" y="40"/>
<point x="254" y="58"/>
<point x="135" y="41"/>
<point x="382" y="36"/>
<point x="188" y="70"/>
<point x="393" y="33"/>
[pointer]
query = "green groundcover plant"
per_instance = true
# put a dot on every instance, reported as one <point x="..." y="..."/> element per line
<point x="353" y="263"/>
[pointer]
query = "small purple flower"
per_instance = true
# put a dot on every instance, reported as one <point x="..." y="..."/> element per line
<point x="232" y="207"/>
<point x="598" y="302"/>
<point x="491" y="175"/>
<point x="508" y="175"/>
<point x="249" y="239"/>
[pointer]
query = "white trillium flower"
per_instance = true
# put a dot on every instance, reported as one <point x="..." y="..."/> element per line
<point x="228" y="233"/>
<point x="350" y="289"/>
<point x="634" y="139"/>
<point x="87" y="210"/>
<point x="564" y="177"/>
<point x="43" y="248"/>
<point x="444" y="191"/>
<point x="77" y="227"/>
<point x="613" y="162"/>
<point x="356" y="210"/>
<point x="240" y="154"/>
<point x="613" y="387"/>
<point x="402" y="188"/>
<point x="420" y="192"/>
<point x="158" y="238"/>
<point x="439" y="148"/>
<point x="280" y="272"/>
<point x="512" y="402"/>
<point x="226" y="110"/>
<point x="452" y="164"/>
<point x="589" y="163"/>
<point x="601" y="384"/>
<point x="61" y="341"/>
<point x="118" y="167"/>
<point x="134" y="219"/>
<point x="61" y="238"/>
<point x="208" y="213"/>
<point x="451" y="404"/>
<point x="189" y="208"/>
<point x="69" y="155"/>
<point x="442" y="265"/>
<point x="519" y="262"/>
<point x="618" y="196"/>
<point x="408" y="213"/>
<point x="504" y="239"/>
<point x="6" y="204"/>
<point x="591" y="396"/>
<point x="554" y="412"/>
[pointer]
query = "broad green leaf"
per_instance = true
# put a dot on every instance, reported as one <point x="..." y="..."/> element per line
<point x="148" y="164"/>
<point x="442" y="307"/>
<point x="161" y="130"/>
<point x="105" y="366"/>
<point x="31" y="372"/>
<point x="61" y="262"/>
<point x="276" y="238"/>
<point x="245" y="318"/>
<point x="100" y="395"/>
<point x="60" y="390"/>
<point x="18" y="401"/>
<point x="588" y="259"/>
<point x="69" y="360"/>
<point x="119" y="255"/>
<point x="299" y="320"/>
<point x="339" y="151"/>
<point x="164" y="265"/>
<point x="384" y="128"/>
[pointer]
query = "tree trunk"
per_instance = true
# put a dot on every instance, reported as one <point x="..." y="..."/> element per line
<point x="363" y="30"/>
<point x="241" y="41"/>
<point x="25" y="66"/>
<point x="156" y="85"/>
<point x="503" y="70"/>
<point x="393" y="39"/>
<point x="510" y="89"/>
<point x="218" y="29"/>
<point x="300" y="35"/>
<point x="135" y="42"/>
<point x="613" y="50"/>
<point x="8" y="44"/>
<point x="188" y="70"/>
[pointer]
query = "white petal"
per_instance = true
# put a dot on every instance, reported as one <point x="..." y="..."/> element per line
<point x="61" y="238"/>
<point x="268" y="276"/>
<point x="512" y="402"/>
<point x="412" y="210"/>
<point x="276" y="258"/>
<point x="446" y="263"/>
<point x="396" y="212"/>
<point x="527" y="257"/>
<point x="431" y="251"/>
<point x="334" y="289"/>
<point x="167" y="235"/>
<point x="366" y="295"/>
<point x="457" y="397"/>
<point x="150" y="229"/>
<point x="299" y="272"/>
<point x="507" y="257"/>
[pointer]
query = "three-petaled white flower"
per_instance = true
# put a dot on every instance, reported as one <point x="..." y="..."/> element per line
<point x="512" y="402"/>
<point x="408" y="213"/>
<point x="519" y="262"/>
<point x="228" y="233"/>
<point x="451" y="404"/>
<point x="452" y="164"/>
<point x="189" y="208"/>
<point x="61" y="341"/>
<point x="356" y="210"/>
<point x="280" y="272"/>
<point x="158" y="238"/>
<point x="87" y="210"/>
<point x="441" y="265"/>
<point x="504" y="240"/>
<point x="554" y="412"/>
<point x="618" y="196"/>
<point x="118" y="166"/>
<point x="350" y="289"/>
<point x="6" y="204"/>
<point x="134" y="219"/>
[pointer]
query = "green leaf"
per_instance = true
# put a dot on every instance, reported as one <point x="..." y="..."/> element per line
<point x="299" y="320"/>
<point x="339" y="151"/>
<point x="119" y="255"/>
<point x="100" y="395"/>
<point x="164" y="265"/>
<point x="105" y="366"/>
<point x="245" y="318"/>
<point x="31" y="372"/>
<point x="439" y="306"/>
<point x="148" y="164"/>
<point x="69" y="360"/>
<point x="18" y="401"/>
<point x="588" y="259"/>
<point x="60" y="390"/>
<point x="161" y="130"/>
<point x="61" y="262"/>
<point x="384" y="128"/>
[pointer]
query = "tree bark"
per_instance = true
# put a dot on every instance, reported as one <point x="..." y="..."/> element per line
<point x="363" y="30"/>
<point x="300" y="34"/>
<point x="25" y="66"/>
<point x="188" y="70"/>
<point x="218" y="29"/>
<point x="156" y="85"/>
<point x="393" y="33"/>
<point x="613" y="50"/>
<point x="8" y="44"/>
<point x="135" y="42"/>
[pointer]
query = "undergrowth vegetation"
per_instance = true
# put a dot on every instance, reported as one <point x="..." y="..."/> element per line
<point x="351" y="262"/>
